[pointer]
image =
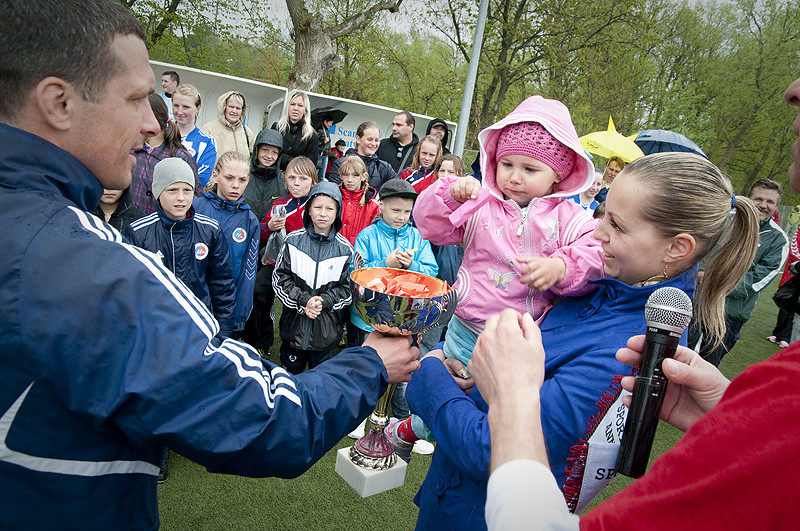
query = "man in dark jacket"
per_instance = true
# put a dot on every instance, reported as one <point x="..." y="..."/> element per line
<point x="311" y="279"/>
<point x="324" y="146"/>
<point x="108" y="357"/>
<point x="438" y="128"/>
<point x="773" y="248"/>
<point x="398" y="149"/>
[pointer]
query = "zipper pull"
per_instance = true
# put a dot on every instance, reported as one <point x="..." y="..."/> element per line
<point x="522" y="222"/>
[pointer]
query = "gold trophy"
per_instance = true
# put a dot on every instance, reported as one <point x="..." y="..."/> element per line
<point x="431" y="302"/>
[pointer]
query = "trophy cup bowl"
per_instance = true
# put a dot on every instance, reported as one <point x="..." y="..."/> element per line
<point x="394" y="315"/>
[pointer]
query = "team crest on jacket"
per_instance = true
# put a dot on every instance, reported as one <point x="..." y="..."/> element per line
<point x="200" y="251"/>
<point x="239" y="235"/>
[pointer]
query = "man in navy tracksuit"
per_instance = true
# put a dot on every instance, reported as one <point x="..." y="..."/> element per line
<point x="105" y="356"/>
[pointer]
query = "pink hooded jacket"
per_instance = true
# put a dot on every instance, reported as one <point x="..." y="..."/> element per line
<point x="495" y="233"/>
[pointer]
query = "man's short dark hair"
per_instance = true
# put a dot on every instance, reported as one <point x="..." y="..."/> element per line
<point x="68" y="39"/>
<point x="769" y="184"/>
<point x="327" y="118"/>
<point x="409" y="117"/>
<point x="173" y="75"/>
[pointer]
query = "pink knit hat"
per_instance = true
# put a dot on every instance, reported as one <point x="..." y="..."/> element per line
<point x="533" y="140"/>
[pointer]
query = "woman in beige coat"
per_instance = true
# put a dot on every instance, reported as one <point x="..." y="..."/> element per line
<point x="228" y="129"/>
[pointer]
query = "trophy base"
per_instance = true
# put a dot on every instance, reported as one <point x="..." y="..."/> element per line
<point x="367" y="482"/>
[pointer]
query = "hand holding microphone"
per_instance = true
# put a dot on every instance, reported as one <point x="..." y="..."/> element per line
<point x="695" y="385"/>
<point x="667" y="313"/>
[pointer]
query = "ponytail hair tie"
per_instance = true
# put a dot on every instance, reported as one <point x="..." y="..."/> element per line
<point x="733" y="200"/>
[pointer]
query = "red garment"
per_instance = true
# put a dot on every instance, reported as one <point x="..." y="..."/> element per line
<point x="332" y="156"/>
<point x="420" y="180"/>
<point x="794" y="256"/>
<point x="294" y="215"/>
<point x="736" y="468"/>
<point x="354" y="216"/>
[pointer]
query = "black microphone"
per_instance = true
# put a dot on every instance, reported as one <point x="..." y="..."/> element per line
<point x="667" y="312"/>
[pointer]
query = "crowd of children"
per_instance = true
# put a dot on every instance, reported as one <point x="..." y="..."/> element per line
<point x="522" y="228"/>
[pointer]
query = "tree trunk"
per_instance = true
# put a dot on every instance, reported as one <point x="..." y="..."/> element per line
<point x="314" y="53"/>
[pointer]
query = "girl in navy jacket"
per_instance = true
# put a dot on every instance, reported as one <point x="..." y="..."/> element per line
<point x="224" y="201"/>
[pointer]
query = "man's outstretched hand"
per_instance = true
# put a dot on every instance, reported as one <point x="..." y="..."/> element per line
<point x="397" y="354"/>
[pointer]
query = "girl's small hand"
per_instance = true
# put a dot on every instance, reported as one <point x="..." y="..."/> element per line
<point x="541" y="273"/>
<point x="465" y="188"/>
<point x="276" y="224"/>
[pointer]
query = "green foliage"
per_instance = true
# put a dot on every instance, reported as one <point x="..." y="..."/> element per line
<point x="406" y="70"/>
<point x="714" y="71"/>
<point x="226" y="36"/>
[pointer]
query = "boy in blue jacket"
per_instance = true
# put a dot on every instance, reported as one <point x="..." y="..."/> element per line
<point x="391" y="241"/>
<point x="311" y="280"/>
<point x="190" y="244"/>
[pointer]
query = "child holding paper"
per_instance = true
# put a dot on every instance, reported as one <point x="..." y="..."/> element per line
<point x="390" y="241"/>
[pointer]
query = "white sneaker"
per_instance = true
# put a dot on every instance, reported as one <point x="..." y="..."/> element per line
<point x="359" y="431"/>
<point x="423" y="447"/>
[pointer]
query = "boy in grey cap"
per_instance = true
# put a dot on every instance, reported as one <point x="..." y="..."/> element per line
<point x="189" y="244"/>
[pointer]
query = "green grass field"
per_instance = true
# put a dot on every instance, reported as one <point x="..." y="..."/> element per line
<point x="194" y="499"/>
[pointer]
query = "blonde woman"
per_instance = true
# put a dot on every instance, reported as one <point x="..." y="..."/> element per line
<point x="186" y="103"/>
<point x="299" y="137"/>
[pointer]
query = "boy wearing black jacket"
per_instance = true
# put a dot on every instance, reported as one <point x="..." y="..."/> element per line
<point x="311" y="280"/>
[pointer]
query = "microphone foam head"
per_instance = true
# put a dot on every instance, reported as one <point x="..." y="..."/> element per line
<point x="668" y="308"/>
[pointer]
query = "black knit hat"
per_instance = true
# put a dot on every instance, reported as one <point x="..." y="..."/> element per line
<point x="397" y="188"/>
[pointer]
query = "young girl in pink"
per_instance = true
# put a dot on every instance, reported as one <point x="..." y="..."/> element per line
<point x="359" y="206"/>
<point x="523" y="246"/>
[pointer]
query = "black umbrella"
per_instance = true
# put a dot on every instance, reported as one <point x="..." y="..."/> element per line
<point x="661" y="140"/>
<point x="317" y="115"/>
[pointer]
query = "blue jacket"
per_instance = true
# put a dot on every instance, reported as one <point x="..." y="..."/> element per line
<point x="106" y="358"/>
<point x="242" y="231"/>
<point x="309" y="265"/>
<point x="195" y="250"/>
<point x="581" y="335"/>
<point x="203" y="147"/>
<point x="379" y="171"/>
<point x="378" y="240"/>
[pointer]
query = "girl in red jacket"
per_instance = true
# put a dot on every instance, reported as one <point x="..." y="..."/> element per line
<point x="359" y="207"/>
<point x="421" y="173"/>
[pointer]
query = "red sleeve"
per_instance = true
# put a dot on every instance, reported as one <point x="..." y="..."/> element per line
<point x="295" y="220"/>
<point x="736" y="468"/>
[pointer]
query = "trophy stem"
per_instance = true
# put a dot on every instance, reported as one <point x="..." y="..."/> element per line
<point x="374" y="450"/>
